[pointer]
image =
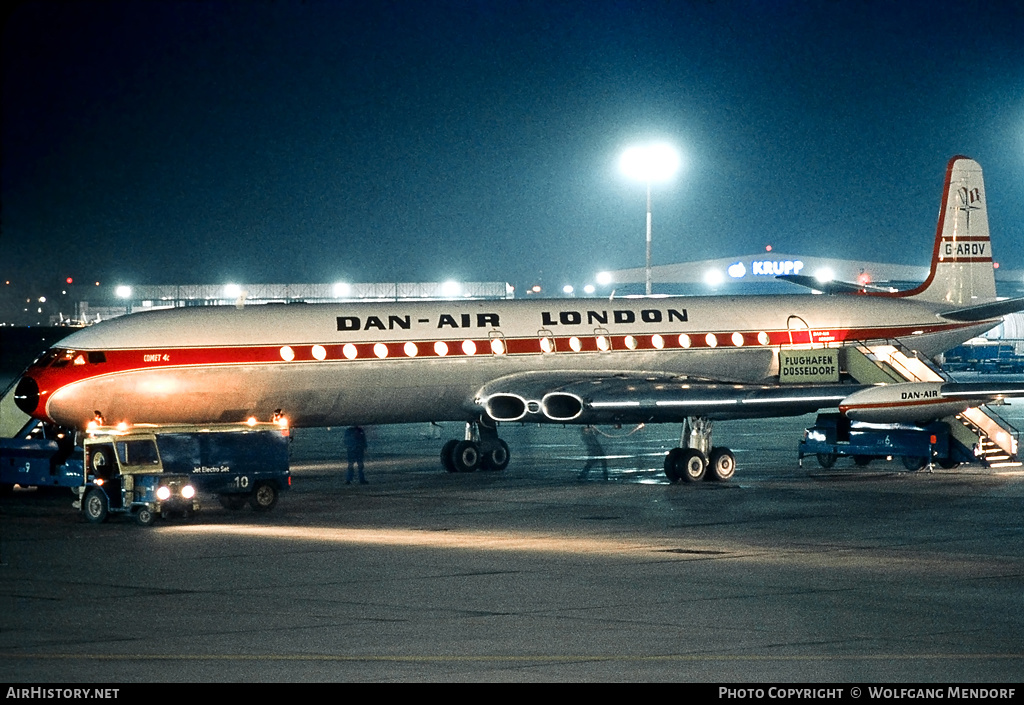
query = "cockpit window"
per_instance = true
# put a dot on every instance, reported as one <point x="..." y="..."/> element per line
<point x="47" y="357"/>
<point x="62" y="357"/>
<point x="59" y="357"/>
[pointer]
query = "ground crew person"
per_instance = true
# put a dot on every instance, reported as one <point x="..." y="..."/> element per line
<point x="355" y="446"/>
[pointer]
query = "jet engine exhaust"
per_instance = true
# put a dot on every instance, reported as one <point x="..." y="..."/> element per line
<point x="560" y="406"/>
<point x="505" y="407"/>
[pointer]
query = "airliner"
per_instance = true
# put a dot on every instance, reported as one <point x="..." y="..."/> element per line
<point x="688" y="360"/>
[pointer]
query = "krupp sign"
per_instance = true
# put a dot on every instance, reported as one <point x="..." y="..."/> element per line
<point x="766" y="268"/>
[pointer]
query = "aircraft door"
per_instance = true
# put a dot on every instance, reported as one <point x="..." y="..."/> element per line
<point x="799" y="331"/>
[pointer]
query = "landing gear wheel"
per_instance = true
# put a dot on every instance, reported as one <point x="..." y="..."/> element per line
<point x="446" y="455"/>
<point x="861" y="461"/>
<point x="95" y="507"/>
<point x="670" y="464"/>
<point x="497" y="458"/>
<point x="690" y="465"/>
<point x="264" y="498"/>
<point x="826" y="460"/>
<point x="912" y="463"/>
<point x="234" y="502"/>
<point x="721" y="464"/>
<point x="948" y="463"/>
<point x="144" y="516"/>
<point x="465" y="456"/>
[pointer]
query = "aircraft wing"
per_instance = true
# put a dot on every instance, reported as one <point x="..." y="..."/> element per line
<point x="632" y="397"/>
<point x="647" y="398"/>
<point x="984" y="312"/>
<point x="832" y="287"/>
<point x="983" y="392"/>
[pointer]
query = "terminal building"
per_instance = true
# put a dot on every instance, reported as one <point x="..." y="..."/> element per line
<point x="151" y="297"/>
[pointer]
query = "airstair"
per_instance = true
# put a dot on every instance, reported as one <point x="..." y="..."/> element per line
<point x="980" y="431"/>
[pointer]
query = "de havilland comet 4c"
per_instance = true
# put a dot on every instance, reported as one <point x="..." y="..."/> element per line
<point x="689" y="360"/>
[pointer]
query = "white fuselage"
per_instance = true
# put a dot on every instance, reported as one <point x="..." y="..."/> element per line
<point x="393" y="362"/>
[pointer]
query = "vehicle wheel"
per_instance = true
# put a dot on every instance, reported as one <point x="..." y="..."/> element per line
<point x="497" y="458"/>
<point x="914" y="463"/>
<point x="862" y="461"/>
<point x="144" y="517"/>
<point x="264" y="498"/>
<point x="948" y="463"/>
<point x="671" y="461"/>
<point x="691" y="465"/>
<point x="722" y="464"/>
<point x="234" y="502"/>
<point x="446" y="455"/>
<point x="826" y="460"/>
<point x="465" y="456"/>
<point x="95" y="506"/>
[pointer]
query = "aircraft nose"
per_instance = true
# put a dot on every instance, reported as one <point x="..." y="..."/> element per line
<point x="26" y="395"/>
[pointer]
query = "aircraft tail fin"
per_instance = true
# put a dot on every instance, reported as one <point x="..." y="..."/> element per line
<point x="961" y="272"/>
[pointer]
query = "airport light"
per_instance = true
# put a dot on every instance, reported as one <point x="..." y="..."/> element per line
<point x="451" y="289"/>
<point x="341" y="290"/>
<point x="123" y="292"/>
<point x="589" y="289"/>
<point x="650" y="163"/>
<point x="713" y="278"/>
<point x="568" y="289"/>
<point x="604" y="278"/>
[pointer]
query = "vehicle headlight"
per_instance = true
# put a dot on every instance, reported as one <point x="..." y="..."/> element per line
<point x="163" y="493"/>
<point x="188" y="491"/>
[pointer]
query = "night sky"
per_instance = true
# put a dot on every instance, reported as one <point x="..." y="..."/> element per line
<point x="422" y="140"/>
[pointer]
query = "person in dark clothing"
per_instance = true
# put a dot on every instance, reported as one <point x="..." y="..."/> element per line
<point x="595" y="453"/>
<point x="355" y="445"/>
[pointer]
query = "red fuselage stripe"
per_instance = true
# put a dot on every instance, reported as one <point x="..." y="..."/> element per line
<point x="138" y="359"/>
<point x="65" y="371"/>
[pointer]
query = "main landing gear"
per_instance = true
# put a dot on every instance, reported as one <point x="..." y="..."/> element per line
<point x="696" y="459"/>
<point x="480" y="450"/>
